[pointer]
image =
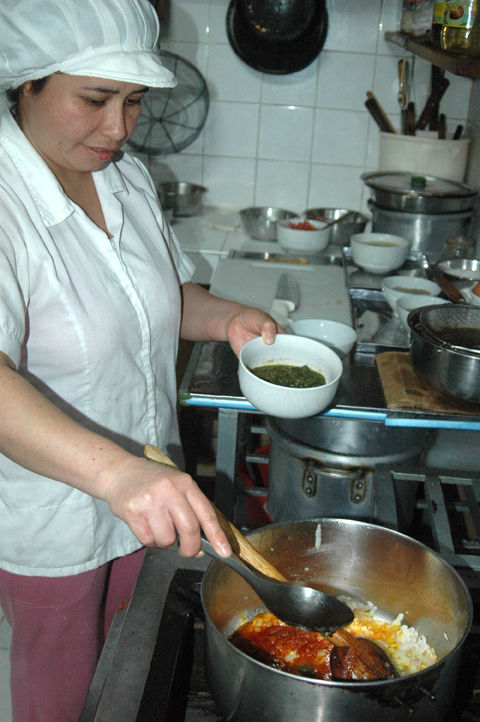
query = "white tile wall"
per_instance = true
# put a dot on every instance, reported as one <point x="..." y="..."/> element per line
<point x="299" y="139"/>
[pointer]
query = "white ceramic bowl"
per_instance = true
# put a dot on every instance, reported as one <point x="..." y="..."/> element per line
<point x="338" y="336"/>
<point x="303" y="241"/>
<point x="405" y="304"/>
<point x="395" y="286"/>
<point x="284" y="401"/>
<point x="379" y="252"/>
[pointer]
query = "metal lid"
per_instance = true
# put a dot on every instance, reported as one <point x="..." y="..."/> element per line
<point x="415" y="184"/>
<point x="399" y="190"/>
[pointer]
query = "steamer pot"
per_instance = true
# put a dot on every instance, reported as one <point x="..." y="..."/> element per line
<point x="423" y="208"/>
<point x="369" y="562"/>
<point x="427" y="232"/>
<point x="326" y="466"/>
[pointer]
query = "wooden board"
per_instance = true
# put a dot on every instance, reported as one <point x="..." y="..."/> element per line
<point x="405" y="391"/>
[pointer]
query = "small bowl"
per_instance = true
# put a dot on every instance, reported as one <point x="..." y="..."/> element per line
<point x="185" y="199"/>
<point x="395" y="286"/>
<point x="284" y="401"/>
<point x="379" y="252"/>
<point x="342" y="231"/>
<point x="302" y="240"/>
<point x="405" y="304"/>
<point x="338" y="336"/>
<point x="260" y="222"/>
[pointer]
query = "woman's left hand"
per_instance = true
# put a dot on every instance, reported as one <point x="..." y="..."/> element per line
<point x="209" y="318"/>
<point x="249" y="323"/>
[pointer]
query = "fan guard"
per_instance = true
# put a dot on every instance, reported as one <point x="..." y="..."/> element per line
<point x="172" y="118"/>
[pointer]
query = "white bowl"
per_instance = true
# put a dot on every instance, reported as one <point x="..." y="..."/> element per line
<point x="284" y="401"/>
<point x="338" y="336"/>
<point x="395" y="286"/>
<point x="405" y="304"/>
<point x="303" y="241"/>
<point x="379" y="252"/>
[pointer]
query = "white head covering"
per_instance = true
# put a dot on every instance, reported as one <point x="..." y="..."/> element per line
<point x="113" y="39"/>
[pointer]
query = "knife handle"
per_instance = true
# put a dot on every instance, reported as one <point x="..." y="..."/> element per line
<point x="411" y="118"/>
<point x="378" y="114"/>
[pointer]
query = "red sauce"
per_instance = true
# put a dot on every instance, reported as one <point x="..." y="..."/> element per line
<point x="302" y="226"/>
<point x="288" y="648"/>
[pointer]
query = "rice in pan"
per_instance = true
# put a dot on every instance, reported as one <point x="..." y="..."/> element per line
<point x="408" y="650"/>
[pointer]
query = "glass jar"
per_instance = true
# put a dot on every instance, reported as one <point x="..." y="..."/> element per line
<point x="416" y="17"/>
<point x="461" y="28"/>
<point x="437" y="22"/>
<point x="459" y="248"/>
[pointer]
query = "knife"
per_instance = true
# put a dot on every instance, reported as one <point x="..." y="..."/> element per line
<point x="288" y="289"/>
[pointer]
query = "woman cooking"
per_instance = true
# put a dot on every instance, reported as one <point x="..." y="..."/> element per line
<point x="94" y="292"/>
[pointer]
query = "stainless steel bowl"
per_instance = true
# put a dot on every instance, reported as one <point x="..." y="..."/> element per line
<point x="260" y="222"/>
<point x="186" y="199"/>
<point x="467" y="269"/>
<point x="342" y="231"/>
<point x="443" y="348"/>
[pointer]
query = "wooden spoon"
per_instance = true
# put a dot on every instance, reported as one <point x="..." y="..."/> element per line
<point x="240" y="545"/>
<point x="358" y="658"/>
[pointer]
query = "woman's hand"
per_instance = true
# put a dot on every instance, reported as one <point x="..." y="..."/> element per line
<point x="209" y="318"/>
<point x="160" y="504"/>
<point x="249" y="323"/>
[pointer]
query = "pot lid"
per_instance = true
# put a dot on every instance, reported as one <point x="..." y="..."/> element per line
<point x="416" y="185"/>
<point x="277" y="38"/>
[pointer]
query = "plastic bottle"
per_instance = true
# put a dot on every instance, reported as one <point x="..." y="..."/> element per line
<point x="437" y="22"/>
<point x="461" y="28"/>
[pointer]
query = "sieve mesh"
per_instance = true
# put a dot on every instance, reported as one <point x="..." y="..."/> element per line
<point x="439" y="321"/>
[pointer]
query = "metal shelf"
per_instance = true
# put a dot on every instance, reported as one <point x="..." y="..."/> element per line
<point x="463" y="65"/>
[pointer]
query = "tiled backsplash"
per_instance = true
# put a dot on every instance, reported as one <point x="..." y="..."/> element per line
<point x="297" y="140"/>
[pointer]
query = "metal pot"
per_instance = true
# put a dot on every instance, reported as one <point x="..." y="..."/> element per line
<point x="426" y="232"/>
<point x="324" y="466"/>
<point x="391" y="570"/>
<point x="401" y="191"/>
<point x="452" y="368"/>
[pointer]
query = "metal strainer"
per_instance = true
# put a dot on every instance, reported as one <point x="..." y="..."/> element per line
<point x="454" y="325"/>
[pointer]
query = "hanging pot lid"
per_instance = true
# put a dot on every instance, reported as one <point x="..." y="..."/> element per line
<point x="400" y="190"/>
<point x="277" y="37"/>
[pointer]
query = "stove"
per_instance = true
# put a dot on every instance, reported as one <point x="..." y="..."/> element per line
<point x="152" y="669"/>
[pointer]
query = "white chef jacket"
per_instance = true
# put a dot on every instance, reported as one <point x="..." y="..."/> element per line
<point x="93" y="323"/>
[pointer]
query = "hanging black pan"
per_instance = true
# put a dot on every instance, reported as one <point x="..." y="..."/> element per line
<point x="277" y="36"/>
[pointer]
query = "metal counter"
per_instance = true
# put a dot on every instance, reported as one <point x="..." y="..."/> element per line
<point x="211" y="381"/>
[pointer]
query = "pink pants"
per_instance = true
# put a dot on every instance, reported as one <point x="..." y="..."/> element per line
<point x="58" y="628"/>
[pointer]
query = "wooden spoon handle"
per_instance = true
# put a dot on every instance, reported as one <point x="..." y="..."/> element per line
<point x="240" y="545"/>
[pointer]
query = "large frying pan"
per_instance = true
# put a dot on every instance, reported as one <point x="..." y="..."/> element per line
<point x="277" y="36"/>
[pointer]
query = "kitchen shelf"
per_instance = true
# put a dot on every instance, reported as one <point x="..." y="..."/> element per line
<point x="457" y="64"/>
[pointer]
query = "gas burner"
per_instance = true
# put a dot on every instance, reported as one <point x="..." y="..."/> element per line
<point x="152" y="666"/>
